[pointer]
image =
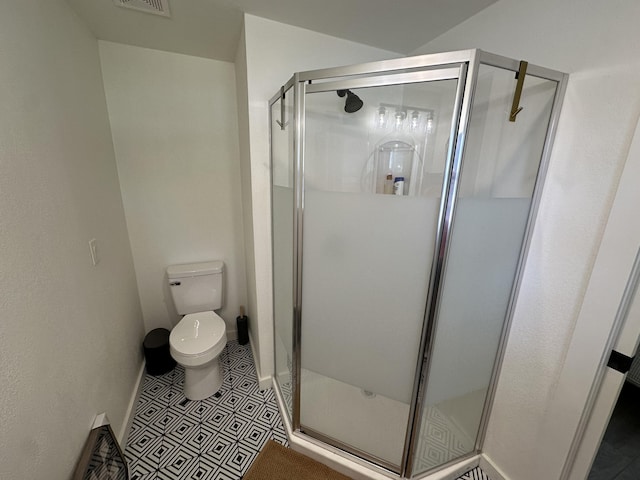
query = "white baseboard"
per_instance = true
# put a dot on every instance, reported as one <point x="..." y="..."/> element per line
<point x="490" y="468"/>
<point x="131" y="409"/>
<point x="232" y="335"/>
<point x="264" y="382"/>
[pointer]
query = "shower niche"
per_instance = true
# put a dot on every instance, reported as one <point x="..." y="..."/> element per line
<point x="400" y="219"/>
<point x="393" y="163"/>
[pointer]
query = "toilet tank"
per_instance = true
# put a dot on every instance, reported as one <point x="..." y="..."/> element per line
<point x="196" y="287"/>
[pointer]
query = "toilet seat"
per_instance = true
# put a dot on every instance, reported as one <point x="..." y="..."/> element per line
<point x="198" y="338"/>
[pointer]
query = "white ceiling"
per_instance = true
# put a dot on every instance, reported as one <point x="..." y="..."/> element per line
<point x="211" y="28"/>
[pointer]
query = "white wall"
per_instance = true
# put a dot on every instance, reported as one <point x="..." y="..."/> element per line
<point x="273" y="53"/>
<point x="597" y="44"/>
<point x="70" y="333"/>
<point x="245" y="181"/>
<point x="175" y="135"/>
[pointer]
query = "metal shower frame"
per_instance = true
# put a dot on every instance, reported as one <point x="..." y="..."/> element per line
<point x="461" y="65"/>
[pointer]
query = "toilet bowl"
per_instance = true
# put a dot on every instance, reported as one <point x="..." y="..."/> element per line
<point x="196" y="343"/>
<point x="200" y="336"/>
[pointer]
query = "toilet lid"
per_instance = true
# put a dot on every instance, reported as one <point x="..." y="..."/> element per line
<point x="197" y="333"/>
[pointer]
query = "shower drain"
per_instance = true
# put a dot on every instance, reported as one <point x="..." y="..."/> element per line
<point x="367" y="393"/>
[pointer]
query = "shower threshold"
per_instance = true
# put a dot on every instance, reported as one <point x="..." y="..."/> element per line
<point x="442" y="436"/>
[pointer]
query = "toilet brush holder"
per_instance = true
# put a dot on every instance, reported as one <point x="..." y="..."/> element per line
<point x="242" y="322"/>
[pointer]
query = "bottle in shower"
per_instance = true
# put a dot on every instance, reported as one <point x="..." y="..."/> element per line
<point x="398" y="186"/>
<point x="388" y="184"/>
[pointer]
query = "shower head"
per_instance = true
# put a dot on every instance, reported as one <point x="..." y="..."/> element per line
<point x="352" y="103"/>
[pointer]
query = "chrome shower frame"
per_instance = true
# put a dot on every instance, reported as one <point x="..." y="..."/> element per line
<point x="463" y="66"/>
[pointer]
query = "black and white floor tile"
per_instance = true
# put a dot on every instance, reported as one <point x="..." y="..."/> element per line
<point x="475" y="474"/>
<point x="439" y="440"/>
<point x="216" y="438"/>
<point x="213" y="439"/>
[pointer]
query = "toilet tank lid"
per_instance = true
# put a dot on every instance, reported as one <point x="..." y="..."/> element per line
<point x="195" y="269"/>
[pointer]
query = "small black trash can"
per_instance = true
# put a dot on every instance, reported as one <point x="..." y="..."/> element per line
<point x="156" y="352"/>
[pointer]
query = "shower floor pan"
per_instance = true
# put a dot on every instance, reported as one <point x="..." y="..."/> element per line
<point x="443" y="435"/>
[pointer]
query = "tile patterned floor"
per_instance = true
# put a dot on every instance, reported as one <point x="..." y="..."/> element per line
<point x="216" y="438"/>
<point x="439" y="441"/>
<point x="475" y="474"/>
<point x="213" y="439"/>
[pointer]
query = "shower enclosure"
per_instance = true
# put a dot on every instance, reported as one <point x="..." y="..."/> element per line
<point x="400" y="226"/>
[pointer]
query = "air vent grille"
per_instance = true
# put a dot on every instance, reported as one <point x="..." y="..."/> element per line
<point x="157" y="7"/>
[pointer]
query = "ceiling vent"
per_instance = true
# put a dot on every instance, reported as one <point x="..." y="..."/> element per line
<point x="157" y="7"/>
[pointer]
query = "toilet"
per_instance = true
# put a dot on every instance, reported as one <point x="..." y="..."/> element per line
<point x="199" y="338"/>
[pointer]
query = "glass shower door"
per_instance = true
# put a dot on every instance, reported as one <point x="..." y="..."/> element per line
<point x="282" y="208"/>
<point x="372" y="193"/>
<point x="496" y="186"/>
